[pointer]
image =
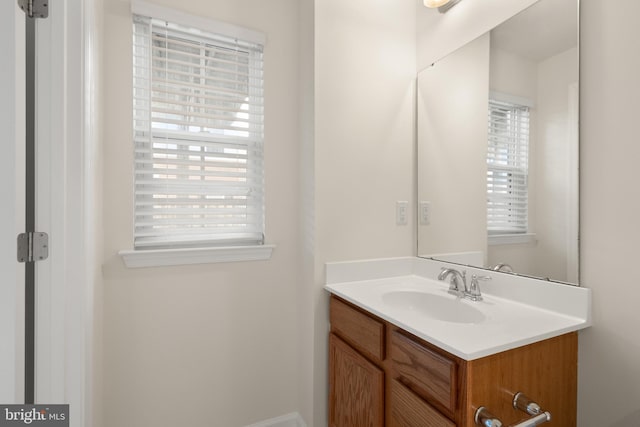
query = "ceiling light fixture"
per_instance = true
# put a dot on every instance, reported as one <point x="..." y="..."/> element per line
<point x="442" y="5"/>
<point x="435" y="3"/>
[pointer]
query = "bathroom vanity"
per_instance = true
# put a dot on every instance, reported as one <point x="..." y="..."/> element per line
<point x="393" y="361"/>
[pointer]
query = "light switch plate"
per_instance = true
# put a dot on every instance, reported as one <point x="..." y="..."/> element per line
<point x="402" y="213"/>
<point x="425" y="213"/>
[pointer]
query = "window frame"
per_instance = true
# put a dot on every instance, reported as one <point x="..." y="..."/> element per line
<point x="211" y="251"/>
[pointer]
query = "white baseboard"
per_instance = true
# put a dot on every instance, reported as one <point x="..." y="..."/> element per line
<point x="290" y="420"/>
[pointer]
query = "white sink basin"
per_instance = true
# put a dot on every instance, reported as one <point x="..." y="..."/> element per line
<point x="437" y="307"/>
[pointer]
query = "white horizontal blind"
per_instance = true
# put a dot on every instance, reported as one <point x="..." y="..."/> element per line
<point x="507" y="168"/>
<point x="198" y="136"/>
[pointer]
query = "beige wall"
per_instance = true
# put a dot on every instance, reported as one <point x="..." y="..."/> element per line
<point x="213" y="344"/>
<point x="609" y="380"/>
<point x="364" y="127"/>
<point x="364" y="144"/>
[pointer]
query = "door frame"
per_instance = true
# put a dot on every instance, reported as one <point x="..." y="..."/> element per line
<point x="67" y="188"/>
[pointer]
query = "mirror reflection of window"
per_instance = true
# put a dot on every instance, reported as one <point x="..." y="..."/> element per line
<point x="507" y="167"/>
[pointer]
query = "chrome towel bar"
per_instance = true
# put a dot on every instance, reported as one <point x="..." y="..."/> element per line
<point x="484" y="418"/>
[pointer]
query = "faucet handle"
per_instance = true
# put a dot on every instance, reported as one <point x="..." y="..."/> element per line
<point x="474" y="287"/>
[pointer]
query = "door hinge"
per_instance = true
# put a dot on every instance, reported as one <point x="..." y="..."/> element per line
<point x="35" y="8"/>
<point x="33" y="247"/>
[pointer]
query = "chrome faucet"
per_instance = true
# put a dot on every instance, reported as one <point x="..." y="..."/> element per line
<point x="457" y="281"/>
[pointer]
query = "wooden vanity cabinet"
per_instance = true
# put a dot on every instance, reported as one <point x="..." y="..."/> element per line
<point x="381" y="375"/>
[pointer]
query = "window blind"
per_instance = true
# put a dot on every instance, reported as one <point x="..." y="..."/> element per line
<point x="507" y="168"/>
<point x="198" y="137"/>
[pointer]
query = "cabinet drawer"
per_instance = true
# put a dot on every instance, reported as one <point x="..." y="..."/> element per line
<point x="361" y="331"/>
<point x="408" y="410"/>
<point x="431" y="375"/>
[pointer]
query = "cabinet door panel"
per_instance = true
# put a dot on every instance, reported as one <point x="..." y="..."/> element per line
<point x="356" y="388"/>
<point x="408" y="410"/>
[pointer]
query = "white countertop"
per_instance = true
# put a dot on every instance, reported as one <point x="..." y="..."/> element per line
<point x="503" y="322"/>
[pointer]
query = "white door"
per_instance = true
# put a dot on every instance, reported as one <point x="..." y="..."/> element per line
<point x="12" y="216"/>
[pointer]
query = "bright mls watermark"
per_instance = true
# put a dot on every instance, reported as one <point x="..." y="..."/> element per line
<point x="36" y="415"/>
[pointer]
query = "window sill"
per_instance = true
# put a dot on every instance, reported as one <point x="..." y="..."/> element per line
<point x="187" y="256"/>
<point x="511" y="239"/>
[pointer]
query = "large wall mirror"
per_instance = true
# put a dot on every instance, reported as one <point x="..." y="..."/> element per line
<point x="498" y="148"/>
